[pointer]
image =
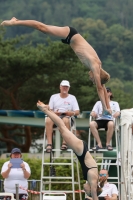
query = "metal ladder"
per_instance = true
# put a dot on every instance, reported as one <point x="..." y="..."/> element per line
<point x="56" y="158"/>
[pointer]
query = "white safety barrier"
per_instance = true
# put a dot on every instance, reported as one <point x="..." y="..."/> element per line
<point x="126" y="154"/>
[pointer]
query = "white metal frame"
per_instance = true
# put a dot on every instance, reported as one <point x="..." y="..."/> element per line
<point x="127" y="154"/>
<point x="106" y="161"/>
<point x="57" y="196"/>
<point x="70" y="180"/>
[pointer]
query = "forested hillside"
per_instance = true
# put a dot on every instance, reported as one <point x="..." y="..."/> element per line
<point x="61" y="12"/>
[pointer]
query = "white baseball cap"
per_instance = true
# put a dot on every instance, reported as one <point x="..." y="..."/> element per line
<point x="65" y="83"/>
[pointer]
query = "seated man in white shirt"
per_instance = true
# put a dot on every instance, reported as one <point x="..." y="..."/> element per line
<point x="109" y="190"/>
<point x="101" y="121"/>
<point x="65" y="106"/>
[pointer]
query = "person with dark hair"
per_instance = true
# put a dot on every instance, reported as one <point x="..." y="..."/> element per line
<point x="109" y="190"/>
<point x="16" y="171"/>
<point x="82" y="49"/>
<point x="102" y="121"/>
<point x="88" y="164"/>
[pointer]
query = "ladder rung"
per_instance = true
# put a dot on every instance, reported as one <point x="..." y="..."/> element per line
<point x="115" y="164"/>
<point x="70" y="182"/>
<point x="57" y="177"/>
<point x="62" y="158"/>
<point x="112" y="177"/>
<point x="106" y="158"/>
<point x="57" y="163"/>
<point x="68" y="150"/>
<point x="102" y="150"/>
<point x="66" y="157"/>
<point x="115" y="182"/>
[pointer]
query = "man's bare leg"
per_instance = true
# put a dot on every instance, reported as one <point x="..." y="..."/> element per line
<point x="66" y="121"/>
<point x="92" y="178"/>
<point x="61" y="32"/>
<point x="95" y="189"/>
<point x="49" y="133"/>
<point x="94" y="131"/>
<point x="110" y="132"/>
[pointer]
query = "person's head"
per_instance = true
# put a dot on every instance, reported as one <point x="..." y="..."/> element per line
<point x="103" y="175"/>
<point x="103" y="75"/>
<point x="109" y="92"/>
<point x="16" y="153"/>
<point x="64" y="87"/>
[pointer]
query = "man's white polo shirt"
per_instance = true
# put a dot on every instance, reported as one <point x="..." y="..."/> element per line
<point x="109" y="189"/>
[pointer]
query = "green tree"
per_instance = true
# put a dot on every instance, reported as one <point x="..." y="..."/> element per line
<point x="30" y="73"/>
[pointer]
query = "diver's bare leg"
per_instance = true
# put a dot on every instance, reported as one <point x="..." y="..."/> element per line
<point x="61" y="32"/>
<point x="106" y="98"/>
<point x="93" y="181"/>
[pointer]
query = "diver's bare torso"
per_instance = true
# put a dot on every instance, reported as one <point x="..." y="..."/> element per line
<point x="84" y="51"/>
